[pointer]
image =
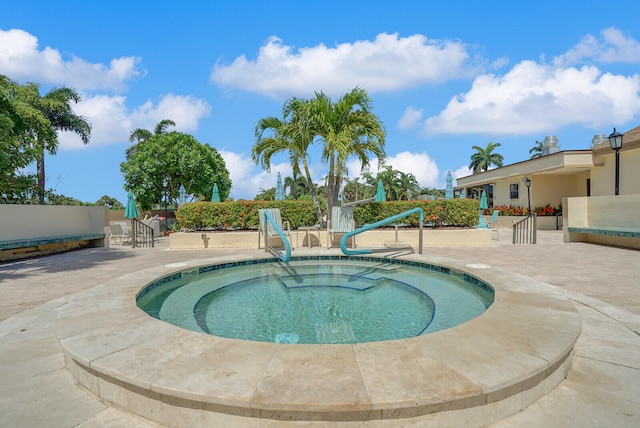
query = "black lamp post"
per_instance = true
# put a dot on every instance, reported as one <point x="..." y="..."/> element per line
<point x="527" y="183"/>
<point x="165" y="184"/>
<point x="615" y="139"/>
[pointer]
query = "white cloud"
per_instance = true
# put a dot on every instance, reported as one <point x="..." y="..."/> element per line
<point x="388" y="63"/>
<point x="419" y="164"/>
<point x="111" y="122"/>
<point x="185" y="110"/>
<point x="411" y="118"/>
<point x="463" y="171"/>
<point x="22" y="60"/>
<point x="247" y="178"/>
<point x="612" y="46"/>
<point x="534" y="98"/>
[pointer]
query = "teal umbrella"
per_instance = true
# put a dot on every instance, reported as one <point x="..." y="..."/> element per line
<point x="483" y="201"/>
<point x="215" y="197"/>
<point x="279" y="189"/>
<point x="131" y="210"/>
<point x="380" y="195"/>
<point x="462" y="194"/>
<point x="448" y="192"/>
<point x="182" y="196"/>
<point x="483" y="206"/>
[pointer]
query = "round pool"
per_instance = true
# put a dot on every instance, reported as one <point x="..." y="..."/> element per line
<point x="317" y="300"/>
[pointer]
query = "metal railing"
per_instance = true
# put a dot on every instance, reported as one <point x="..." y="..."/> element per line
<point x="142" y="235"/>
<point x="346" y="236"/>
<point x="286" y="257"/>
<point x="525" y="231"/>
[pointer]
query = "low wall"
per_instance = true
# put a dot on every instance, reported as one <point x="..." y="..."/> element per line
<point x="40" y="221"/>
<point x="372" y="238"/>
<point x="609" y="211"/>
<point x="543" y="222"/>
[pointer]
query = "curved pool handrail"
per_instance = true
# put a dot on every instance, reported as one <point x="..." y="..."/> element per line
<point x="346" y="236"/>
<point x="286" y="257"/>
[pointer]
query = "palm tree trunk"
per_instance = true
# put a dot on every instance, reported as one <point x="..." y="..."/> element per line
<point x="312" y="191"/>
<point x="40" y="172"/>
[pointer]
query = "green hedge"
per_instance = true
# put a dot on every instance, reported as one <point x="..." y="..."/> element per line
<point x="452" y="212"/>
<point x="244" y="214"/>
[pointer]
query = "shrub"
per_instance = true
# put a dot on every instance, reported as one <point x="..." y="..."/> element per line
<point x="241" y="214"/>
<point x="244" y="214"/>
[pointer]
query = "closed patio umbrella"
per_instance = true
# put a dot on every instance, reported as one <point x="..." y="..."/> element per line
<point x="380" y="195"/>
<point x="462" y="194"/>
<point x="483" y="201"/>
<point x="215" y="196"/>
<point x="182" y="196"/>
<point x="131" y="211"/>
<point x="448" y="191"/>
<point x="279" y="189"/>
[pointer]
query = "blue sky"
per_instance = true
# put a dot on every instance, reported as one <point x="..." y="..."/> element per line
<point x="443" y="76"/>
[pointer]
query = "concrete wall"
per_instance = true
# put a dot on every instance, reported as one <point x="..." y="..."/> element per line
<point x="369" y="239"/>
<point x="603" y="179"/>
<point x="41" y="221"/>
<point x="602" y="211"/>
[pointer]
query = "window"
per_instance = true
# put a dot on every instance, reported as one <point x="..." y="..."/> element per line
<point x="514" y="191"/>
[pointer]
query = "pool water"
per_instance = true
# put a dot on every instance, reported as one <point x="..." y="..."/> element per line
<point x="318" y="301"/>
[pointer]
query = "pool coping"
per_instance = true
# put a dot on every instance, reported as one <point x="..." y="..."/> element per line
<point x="467" y="374"/>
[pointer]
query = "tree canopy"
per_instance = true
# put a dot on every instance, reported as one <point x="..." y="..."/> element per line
<point x="346" y="129"/>
<point x="482" y="159"/>
<point x="176" y="159"/>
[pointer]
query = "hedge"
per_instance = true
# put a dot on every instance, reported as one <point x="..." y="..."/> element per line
<point x="244" y="214"/>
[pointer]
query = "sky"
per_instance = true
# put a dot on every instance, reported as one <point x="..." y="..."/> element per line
<point x="443" y="76"/>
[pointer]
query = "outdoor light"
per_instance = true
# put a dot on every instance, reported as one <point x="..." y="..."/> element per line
<point x="615" y="139"/>
<point x="165" y="184"/>
<point x="527" y="182"/>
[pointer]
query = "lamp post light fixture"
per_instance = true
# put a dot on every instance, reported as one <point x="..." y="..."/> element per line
<point x="527" y="182"/>
<point x="165" y="184"/>
<point x="615" y="139"/>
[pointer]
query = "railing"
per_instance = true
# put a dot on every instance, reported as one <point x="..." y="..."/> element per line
<point x="346" y="236"/>
<point x="525" y="231"/>
<point x="286" y="257"/>
<point x="559" y="221"/>
<point x="142" y="235"/>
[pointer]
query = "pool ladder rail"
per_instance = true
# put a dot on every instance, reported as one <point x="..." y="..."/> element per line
<point x="286" y="257"/>
<point x="392" y="219"/>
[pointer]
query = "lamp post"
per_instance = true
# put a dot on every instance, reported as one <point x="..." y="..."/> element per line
<point x="165" y="184"/>
<point x="615" y="140"/>
<point x="527" y="183"/>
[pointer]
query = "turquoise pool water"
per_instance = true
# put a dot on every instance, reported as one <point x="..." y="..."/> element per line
<point x="317" y="300"/>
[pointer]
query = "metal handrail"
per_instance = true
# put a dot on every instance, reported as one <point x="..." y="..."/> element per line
<point x="346" y="236"/>
<point x="525" y="231"/>
<point x="287" y="246"/>
<point x="142" y="235"/>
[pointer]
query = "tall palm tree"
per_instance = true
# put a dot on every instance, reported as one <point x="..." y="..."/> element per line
<point x="56" y="107"/>
<point x="536" y="150"/>
<point x="484" y="158"/>
<point x="290" y="135"/>
<point x="347" y="128"/>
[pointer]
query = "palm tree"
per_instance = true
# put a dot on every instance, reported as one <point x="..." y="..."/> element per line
<point x="536" y="150"/>
<point x="409" y="186"/>
<point x="56" y="108"/>
<point x="484" y="158"/>
<point x="290" y="135"/>
<point x="140" y="135"/>
<point x="348" y="128"/>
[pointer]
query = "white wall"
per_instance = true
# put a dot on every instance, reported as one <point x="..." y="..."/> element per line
<point x="41" y="221"/>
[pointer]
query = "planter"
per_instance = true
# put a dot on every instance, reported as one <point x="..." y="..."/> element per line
<point x="370" y="239"/>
